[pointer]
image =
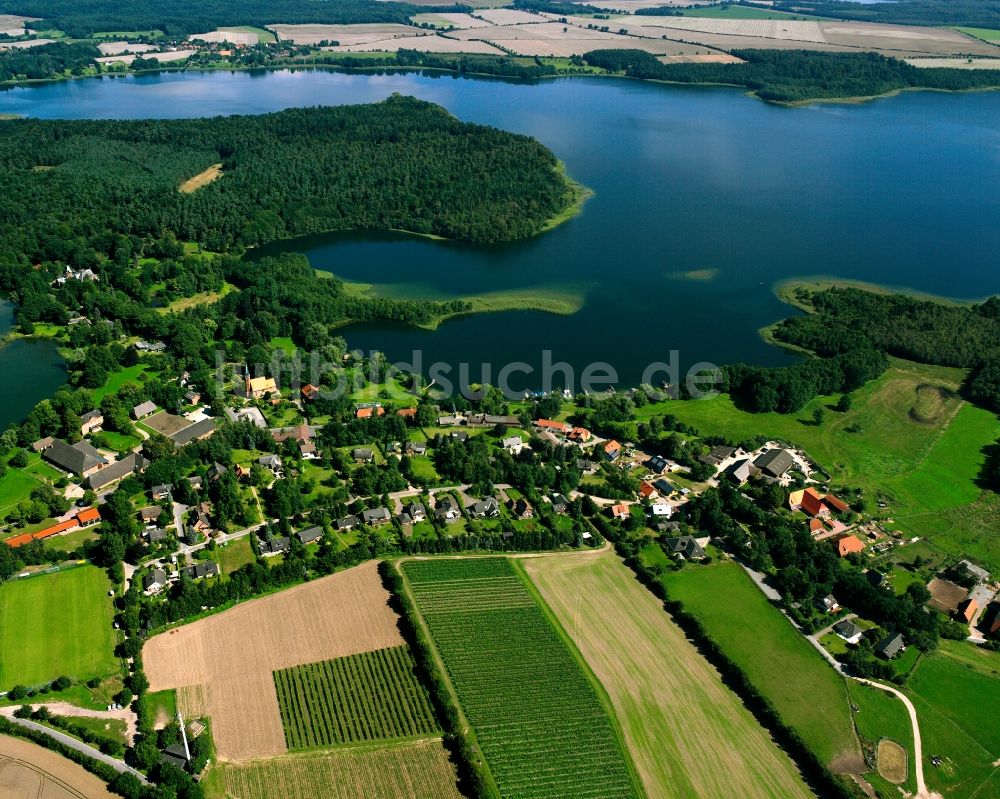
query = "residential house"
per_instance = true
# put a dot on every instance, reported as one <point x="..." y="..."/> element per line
<point x="80" y="459"/>
<point x="484" y="508"/>
<point x="91" y="422"/>
<point x="42" y="444"/>
<point x="363" y="455"/>
<point x="299" y="433"/>
<point x="150" y="513"/>
<point x="665" y="487"/>
<point x="407" y="413"/>
<point x="275" y="546"/>
<point x="661" y="510"/>
<point x="415" y="511"/>
<point x="272" y="462"/>
<point x="460" y="435"/>
<point x="774" y="463"/>
<point x="446" y="509"/>
<point x="161" y="492"/>
<point x="155" y="534"/>
<point x="586" y="466"/>
<point x="200" y="570"/>
<point x="520" y="508"/>
<point x="890" y="646"/>
<point x="557" y="428"/>
<point x="684" y="547"/>
<point x="580" y="435"/>
<point x="815" y="504"/>
<point x="310" y="392"/>
<point x="369" y="411"/>
<point x="143" y="409"/>
<point x="612" y="450"/>
<point x="559" y="503"/>
<point x="415" y="448"/>
<point x="175" y="755"/>
<point x="154" y="581"/>
<point x="512" y="444"/>
<point x="619" y="511"/>
<point x="849" y="631"/>
<point x="192" y="397"/>
<point x="88" y="517"/>
<point x="658" y="464"/>
<point x="216" y="472"/>
<point x="376" y="516"/>
<point x="150" y="346"/>
<point x="242" y="472"/>
<point x="260" y="387"/>
<point x="741" y="471"/>
<point x="347" y="522"/>
<point x="828" y="604"/>
<point x="875" y="578"/>
<point x="195" y="481"/>
<point x="449" y="421"/>
<point x="310" y="534"/>
<point x="646" y="490"/>
<point x="849" y="545"/>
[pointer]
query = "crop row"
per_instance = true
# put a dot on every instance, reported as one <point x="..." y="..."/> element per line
<point x="430" y="571"/>
<point x="365" y="697"/>
<point x="539" y="722"/>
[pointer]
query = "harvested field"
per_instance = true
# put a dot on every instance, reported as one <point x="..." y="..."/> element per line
<point x="12" y="21"/>
<point x="233" y="37"/>
<point x="29" y="771"/>
<point x="443" y="20"/>
<point x="555" y="39"/>
<point x="418" y="770"/>
<point x="711" y="58"/>
<point x="224" y="663"/>
<point x="166" y="423"/>
<point x="426" y="44"/>
<point x="508" y="16"/>
<point x="688" y="734"/>
<point x="118" y="48"/>
<point x="192" y="185"/>
<point x="344" y="34"/>
<point x="871" y="36"/>
<point x="945" y="595"/>
<point x="794" y="30"/>
<point x="892" y="761"/>
<point x="26" y="44"/>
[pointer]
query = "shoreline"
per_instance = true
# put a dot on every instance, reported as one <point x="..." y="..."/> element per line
<point x="361" y="68"/>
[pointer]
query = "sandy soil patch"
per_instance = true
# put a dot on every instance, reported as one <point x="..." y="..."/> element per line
<point x="688" y="734"/>
<point x="344" y="34"/>
<point x="166" y="423"/>
<point x="456" y="20"/>
<point x="955" y="63"/>
<point x="892" y="761"/>
<point x="31" y="771"/>
<point x="508" y="16"/>
<point x="946" y="595"/>
<point x="119" y="48"/>
<point x="424" y="44"/>
<point x="229" y="657"/>
<point x="214" y="172"/>
<point x="233" y="37"/>
<point x="12" y="21"/>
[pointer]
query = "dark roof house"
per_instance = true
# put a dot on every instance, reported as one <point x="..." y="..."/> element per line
<point x="774" y="463"/>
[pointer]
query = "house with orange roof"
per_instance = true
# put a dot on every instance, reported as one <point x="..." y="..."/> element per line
<point x="619" y="511"/>
<point x="580" y="434"/>
<point x="310" y="392"/>
<point x="849" y="545"/>
<point x="407" y="412"/>
<point x="552" y="426"/>
<point x="612" y="450"/>
<point x="368" y="411"/>
<point x="812" y="503"/>
<point x="967" y="610"/>
<point x="646" y="491"/>
<point x="88" y="516"/>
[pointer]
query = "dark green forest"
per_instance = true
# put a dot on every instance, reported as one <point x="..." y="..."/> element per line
<point x="46" y="60"/>
<point x="974" y="13"/>
<point x="847" y="320"/>
<point x="798" y="75"/>
<point x="81" y="18"/>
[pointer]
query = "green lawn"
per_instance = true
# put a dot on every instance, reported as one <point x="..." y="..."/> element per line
<point x="808" y="694"/>
<point x="956" y="691"/>
<point x="120" y="443"/>
<point x="17" y="484"/>
<point x="233" y="555"/>
<point x="56" y="624"/>
<point x="129" y="374"/>
<point x="67" y="542"/>
<point x="423" y="468"/>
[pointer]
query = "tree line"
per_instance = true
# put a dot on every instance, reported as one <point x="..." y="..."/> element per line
<point x="799" y="75"/>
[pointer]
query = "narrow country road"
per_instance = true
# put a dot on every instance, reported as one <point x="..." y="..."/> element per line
<point x="918" y="754"/>
<point x="118" y="765"/>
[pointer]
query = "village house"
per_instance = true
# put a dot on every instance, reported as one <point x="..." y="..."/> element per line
<point x="828" y="604"/>
<point x="407" y="413"/>
<point x="216" y="472"/>
<point x="274" y="546"/>
<point x="612" y="450"/>
<point x="161" y="492"/>
<point x="740" y="471"/>
<point x="199" y="571"/>
<point x="192" y="397"/>
<point x="580" y="435"/>
<point x="198" y="431"/>
<point x="890" y="646"/>
<point x="88" y="517"/>
<point x="132" y="463"/>
<point x="346" y="522"/>
<point x="310" y="392"/>
<point x="813" y="503"/>
<point x="661" y="510"/>
<point x="619" y="511"/>
<point x="849" y="631"/>
<point x="658" y="464"/>
<point x="557" y="428"/>
<point x="376" y="516"/>
<point x="849" y="545"/>
<point x="369" y="411"/>
<point x="446" y="509"/>
<point x="42" y="444"/>
<point x="310" y="534"/>
<point x="413" y="512"/>
<point x="665" y="487"/>
<point x="272" y="462"/>
<point x="718" y="455"/>
<point x="684" y="547"/>
<point x="512" y="444"/>
<point x="80" y="459"/>
<point x="484" y="508"/>
<point x="155" y="581"/>
<point x="150" y="346"/>
<point x="91" y="422"/>
<point x="150" y="513"/>
<point x="415" y="448"/>
<point x="520" y="508"/>
<point x="363" y="455"/>
<point x="559" y="503"/>
<point x="586" y="466"/>
<point x="646" y="490"/>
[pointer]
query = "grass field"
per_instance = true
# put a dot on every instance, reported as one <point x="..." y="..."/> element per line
<point x="985" y="34"/>
<point x="370" y="696"/>
<point x="17" y="484"/>
<point x="56" y="624"/>
<point x="540" y="722"/>
<point x="234" y="555"/>
<point x="417" y="770"/>
<point x="128" y="374"/>
<point x="881" y="716"/>
<point x="688" y="734"/>
<point x="808" y="694"/>
<point x="908" y="438"/>
<point x="956" y="691"/>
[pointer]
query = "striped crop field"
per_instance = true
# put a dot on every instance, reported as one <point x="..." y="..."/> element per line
<point x="541" y="725"/>
<point x="372" y="696"/>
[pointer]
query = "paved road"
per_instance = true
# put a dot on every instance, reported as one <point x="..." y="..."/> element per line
<point x="118" y="765"/>
<point x="125" y="714"/>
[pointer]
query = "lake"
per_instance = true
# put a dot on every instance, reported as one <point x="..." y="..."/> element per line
<point x="30" y="370"/>
<point x="703" y="200"/>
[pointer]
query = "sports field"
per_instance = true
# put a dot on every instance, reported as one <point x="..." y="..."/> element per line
<point x="56" y="624"/>
<point x="808" y="694"/>
<point x="543" y="727"/>
<point x="688" y="734"/>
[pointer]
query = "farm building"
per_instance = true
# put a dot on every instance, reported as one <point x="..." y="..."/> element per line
<point x="774" y="463"/>
<point x="91" y="422"/>
<point x="718" y="455"/>
<point x="849" y="545"/>
<point x="741" y="471"/>
<point x="143" y="409"/>
<point x="198" y="431"/>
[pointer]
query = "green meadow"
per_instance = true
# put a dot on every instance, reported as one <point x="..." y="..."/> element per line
<point x="805" y="690"/>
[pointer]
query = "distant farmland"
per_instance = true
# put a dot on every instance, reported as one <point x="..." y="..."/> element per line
<point x="543" y="728"/>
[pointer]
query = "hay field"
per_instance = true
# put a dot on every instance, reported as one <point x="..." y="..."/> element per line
<point x="444" y="19"/>
<point x="33" y="772"/>
<point x="192" y="184"/>
<point x="117" y="48"/>
<point x="345" y="34"/>
<point x="556" y="39"/>
<point x="417" y="770"/>
<point x="687" y="733"/>
<point x="794" y="30"/>
<point x="222" y="665"/>
<point x="508" y="16"/>
<point x="232" y="36"/>
<point x="425" y="44"/>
